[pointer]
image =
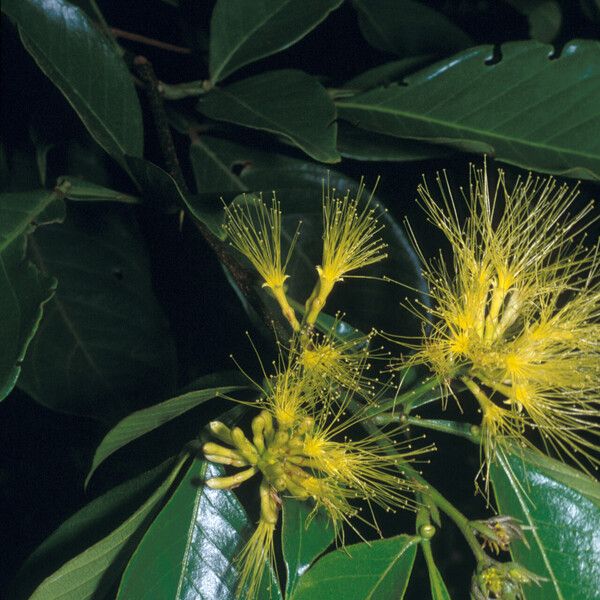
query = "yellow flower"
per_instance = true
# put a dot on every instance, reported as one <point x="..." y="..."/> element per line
<point x="517" y="317"/>
<point x="259" y="551"/>
<point x="255" y="231"/>
<point x="324" y="359"/>
<point x="301" y="447"/>
<point x="350" y="242"/>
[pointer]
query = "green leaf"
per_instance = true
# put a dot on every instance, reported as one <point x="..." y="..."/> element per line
<point x="407" y="27"/>
<point x="23" y="289"/>
<point x="562" y="508"/>
<point x="366" y="571"/>
<point x="305" y="535"/>
<point x="190" y="548"/>
<point x="525" y="109"/>
<point x="87" y="69"/>
<point x="287" y="102"/>
<point x="243" y="31"/>
<point x="23" y="293"/>
<point x="85" y="191"/>
<point x="388" y="72"/>
<point x="94" y="572"/>
<point x="148" y="419"/>
<point x="160" y="189"/>
<point x="104" y="346"/>
<point x="21" y="211"/>
<point x="360" y="144"/>
<point x="212" y="172"/>
<point x="93" y="522"/>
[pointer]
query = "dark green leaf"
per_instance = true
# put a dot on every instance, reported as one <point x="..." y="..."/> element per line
<point x="407" y="27"/>
<point x="189" y="550"/>
<point x="104" y="345"/>
<point x="87" y="69"/>
<point x="360" y="144"/>
<point x="94" y="572"/>
<point x="21" y="211"/>
<point x="160" y="189"/>
<point x="23" y="289"/>
<point x="143" y="421"/>
<point x="87" y="526"/>
<point x="379" y="569"/>
<point x="243" y="31"/>
<point x="388" y="72"/>
<point x="287" y="102"/>
<point x="212" y="170"/>
<point x="562" y="509"/>
<point x="305" y="535"/>
<point x="525" y="109"/>
<point x="23" y="293"/>
<point x="85" y="191"/>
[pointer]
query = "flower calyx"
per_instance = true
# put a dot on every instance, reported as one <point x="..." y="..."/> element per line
<point x="501" y="581"/>
<point x="499" y="532"/>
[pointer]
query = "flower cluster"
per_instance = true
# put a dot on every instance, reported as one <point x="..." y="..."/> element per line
<point x="350" y="242"/>
<point x="517" y="317"/>
<point x="302" y="448"/>
<point x="321" y="389"/>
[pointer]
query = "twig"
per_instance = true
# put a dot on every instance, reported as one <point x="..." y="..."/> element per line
<point x="243" y="278"/>
<point x="142" y="39"/>
<point x="146" y="73"/>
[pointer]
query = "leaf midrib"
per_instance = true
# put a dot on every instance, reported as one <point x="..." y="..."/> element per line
<point x="485" y="133"/>
<point x="39" y="259"/>
<point x="515" y="485"/>
<point x="29" y="215"/>
<point x="244" y="39"/>
<point x="65" y="85"/>
<point x="190" y="537"/>
<point x="390" y="566"/>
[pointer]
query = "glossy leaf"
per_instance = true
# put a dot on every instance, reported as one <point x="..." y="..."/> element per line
<point x="379" y="569"/>
<point x="407" y="27"/>
<point x="23" y="289"/>
<point x="525" y="109"/>
<point x="243" y="31"/>
<point x="89" y="525"/>
<point x="304" y="537"/>
<point x="87" y="69"/>
<point x="562" y="509"/>
<point x="286" y="102"/>
<point x="85" y="191"/>
<point x="145" y="420"/>
<point x="104" y="345"/>
<point x="189" y="550"/>
<point x="94" y="572"/>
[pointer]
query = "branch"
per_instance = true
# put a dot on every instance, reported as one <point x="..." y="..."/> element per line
<point x="244" y="279"/>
